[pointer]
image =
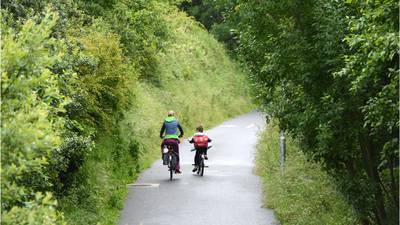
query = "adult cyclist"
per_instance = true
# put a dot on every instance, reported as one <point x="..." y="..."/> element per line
<point x="169" y="134"/>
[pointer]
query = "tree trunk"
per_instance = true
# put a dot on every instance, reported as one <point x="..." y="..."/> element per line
<point x="394" y="190"/>
<point x="369" y="160"/>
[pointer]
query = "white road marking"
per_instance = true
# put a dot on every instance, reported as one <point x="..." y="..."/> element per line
<point x="144" y="185"/>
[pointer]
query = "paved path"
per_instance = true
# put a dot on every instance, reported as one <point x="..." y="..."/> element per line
<point x="228" y="194"/>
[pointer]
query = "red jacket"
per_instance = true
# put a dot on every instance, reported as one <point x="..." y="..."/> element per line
<point x="200" y="140"/>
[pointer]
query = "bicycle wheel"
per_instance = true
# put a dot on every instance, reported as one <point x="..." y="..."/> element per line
<point x="202" y="167"/>
<point x="171" y="168"/>
<point x="199" y="168"/>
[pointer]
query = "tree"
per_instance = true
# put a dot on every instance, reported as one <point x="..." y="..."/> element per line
<point x="327" y="71"/>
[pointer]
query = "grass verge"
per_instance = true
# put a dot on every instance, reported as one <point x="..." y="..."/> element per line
<point x="304" y="194"/>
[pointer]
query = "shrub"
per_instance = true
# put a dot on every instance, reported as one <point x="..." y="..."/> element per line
<point x="102" y="76"/>
<point x="39" y="211"/>
<point x="30" y="128"/>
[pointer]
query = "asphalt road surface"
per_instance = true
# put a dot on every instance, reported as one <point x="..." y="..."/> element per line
<point x="227" y="194"/>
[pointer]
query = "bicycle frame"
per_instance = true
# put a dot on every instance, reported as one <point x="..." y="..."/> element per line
<point x="200" y="169"/>
<point x="172" y="160"/>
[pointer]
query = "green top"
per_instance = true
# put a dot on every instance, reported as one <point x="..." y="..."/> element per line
<point x="170" y="119"/>
<point x="171" y="126"/>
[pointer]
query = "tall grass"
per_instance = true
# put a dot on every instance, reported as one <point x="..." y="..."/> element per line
<point x="303" y="194"/>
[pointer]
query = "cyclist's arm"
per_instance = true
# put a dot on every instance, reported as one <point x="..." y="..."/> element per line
<point x="191" y="141"/>
<point x="209" y="140"/>
<point x="180" y="130"/>
<point x="162" y="130"/>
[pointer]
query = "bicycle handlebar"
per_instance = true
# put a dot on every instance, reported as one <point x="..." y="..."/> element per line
<point x="193" y="149"/>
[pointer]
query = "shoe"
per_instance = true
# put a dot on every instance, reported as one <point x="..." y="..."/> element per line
<point x="178" y="171"/>
<point x="195" y="169"/>
<point x="205" y="157"/>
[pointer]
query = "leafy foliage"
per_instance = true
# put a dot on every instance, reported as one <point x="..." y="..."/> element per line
<point x="328" y="72"/>
<point x="102" y="76"/>
<point x="39" y="211"/>
<point x="142" y="32"/>
<point x="204" y="11"/>
<point x="30" y="128"/>
<point x="216" y="17"/>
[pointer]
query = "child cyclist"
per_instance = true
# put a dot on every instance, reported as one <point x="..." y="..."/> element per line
<point x="200" y="141"/>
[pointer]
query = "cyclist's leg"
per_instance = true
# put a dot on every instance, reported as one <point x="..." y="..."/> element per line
<point x="205" y="152"/>
<point x="197" y="157"/>
<point x="162" y="147"/>
<point x="176" y="149"/>
<point x="167" y="142"/>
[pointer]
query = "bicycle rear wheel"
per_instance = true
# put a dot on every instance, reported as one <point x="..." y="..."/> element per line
<point x="202" y="167"/>
<point x="171" y="168"/>
<point x="199" y="168"/>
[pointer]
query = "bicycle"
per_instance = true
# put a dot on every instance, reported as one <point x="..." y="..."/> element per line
<point x="170" y="158"/>
<point x="201" y="166"/>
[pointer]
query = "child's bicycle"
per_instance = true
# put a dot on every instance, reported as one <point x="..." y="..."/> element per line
<point x="200" y="169"/>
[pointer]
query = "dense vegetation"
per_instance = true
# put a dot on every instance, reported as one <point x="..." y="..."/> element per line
<point x="327" y="71"/>
<point x="84" y="88"/>
<point x="301" y="194"/>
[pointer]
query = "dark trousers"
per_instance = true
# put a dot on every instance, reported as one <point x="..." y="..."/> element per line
<point x="199" y="151"/>
<point x="175" y="144"/>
